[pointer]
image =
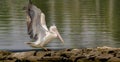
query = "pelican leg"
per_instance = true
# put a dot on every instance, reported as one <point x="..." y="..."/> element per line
<point x="46" y="49"/>
<point x="42" y="46"/>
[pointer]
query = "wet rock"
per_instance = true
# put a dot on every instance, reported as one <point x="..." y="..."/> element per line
<point x="114" y="59"/>
<point x="4" y="55"/>
<point x="32" y="59"/>
<point x="82" y="60"/>
<point x="40" y="54"/>
<point x="111" y="52"/>
<point x="67" y="54"/>
<point x="47" y="54"/>
<point x="22" y="55"/>
<point x="118" y="54"/>
<point x="100" y="54"/>
<point x="107" y="56"/>
<point x="68" y="49"/>
<point x="92" y="57"/>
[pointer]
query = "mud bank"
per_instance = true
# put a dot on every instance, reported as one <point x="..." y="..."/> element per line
<point x="99" y="54"/>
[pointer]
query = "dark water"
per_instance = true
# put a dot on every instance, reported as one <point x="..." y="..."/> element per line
<point x="82" y="23"/>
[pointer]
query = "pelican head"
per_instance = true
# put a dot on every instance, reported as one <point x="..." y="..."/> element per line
<point x="54" y="30"/>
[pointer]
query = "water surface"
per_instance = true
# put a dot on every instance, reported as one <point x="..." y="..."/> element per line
<point x="82" y="23"/>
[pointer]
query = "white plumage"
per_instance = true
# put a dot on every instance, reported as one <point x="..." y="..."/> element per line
<point x="37" y="29"/>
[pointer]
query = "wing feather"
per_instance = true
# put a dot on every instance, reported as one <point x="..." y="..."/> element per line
<point x="36" y="22"/>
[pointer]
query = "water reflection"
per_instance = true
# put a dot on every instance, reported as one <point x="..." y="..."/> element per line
<point x="82" y="23"/>
<point x="12" y="25"/>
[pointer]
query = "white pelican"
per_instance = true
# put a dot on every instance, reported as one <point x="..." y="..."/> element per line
<point x="37" y="29"/>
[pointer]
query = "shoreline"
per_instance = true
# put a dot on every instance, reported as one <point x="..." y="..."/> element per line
<point x="99" y="54"/>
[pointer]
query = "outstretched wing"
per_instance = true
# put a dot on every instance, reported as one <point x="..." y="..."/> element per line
<point x="35" y="22"/>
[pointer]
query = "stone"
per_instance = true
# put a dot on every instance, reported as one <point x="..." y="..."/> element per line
<point x="101" y="54"/>
<point x="114" y="59"/>
<point x="22" y="55"/>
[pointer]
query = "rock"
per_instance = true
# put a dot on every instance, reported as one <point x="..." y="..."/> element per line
<point x="107" y="56"/>
<point x="100" y="54"/>
<point x="22" y="55"/>
<point x="4" y="55"/>
<point x="114" y="59"/>
<point x="40" y="54"/>
<point x="33" y="58"/>
<point x="118" y="54"/>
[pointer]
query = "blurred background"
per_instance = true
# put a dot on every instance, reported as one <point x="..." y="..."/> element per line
<point x="81" y="23"/>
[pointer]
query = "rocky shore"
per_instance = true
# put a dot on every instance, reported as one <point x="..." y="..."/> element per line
<point x="99" y="54"/>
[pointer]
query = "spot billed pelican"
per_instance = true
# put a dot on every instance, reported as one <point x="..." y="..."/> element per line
<point x="37" y="29"/>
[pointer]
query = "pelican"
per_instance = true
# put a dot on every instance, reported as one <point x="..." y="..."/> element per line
<point x="37" y="29"/>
